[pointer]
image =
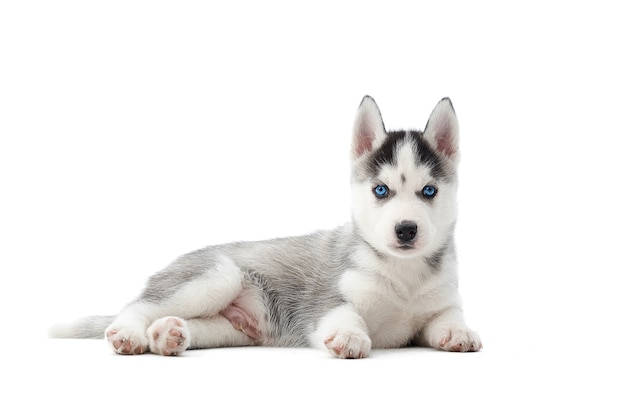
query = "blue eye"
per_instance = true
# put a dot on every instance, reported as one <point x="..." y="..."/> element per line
<point x="429" y="191"/>
<point x="381" y="191"/>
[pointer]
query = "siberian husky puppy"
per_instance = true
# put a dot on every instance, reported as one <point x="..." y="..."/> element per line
<point x="386" y="279"/>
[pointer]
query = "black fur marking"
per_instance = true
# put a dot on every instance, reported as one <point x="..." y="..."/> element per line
<point x="386" y="154"/>
<point x="403" y="178"/>
<point x="426" y="155"/>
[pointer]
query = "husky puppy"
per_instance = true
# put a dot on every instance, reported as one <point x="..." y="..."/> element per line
<point x="386" y="279"/>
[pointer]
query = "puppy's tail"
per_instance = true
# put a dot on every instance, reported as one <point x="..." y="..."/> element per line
<point x="87" y="327"/>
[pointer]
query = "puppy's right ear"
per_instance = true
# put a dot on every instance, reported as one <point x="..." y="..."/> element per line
<point x="369" y="129"/>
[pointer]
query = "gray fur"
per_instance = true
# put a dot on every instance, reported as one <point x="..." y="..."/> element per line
<point x="291" y="286"/>
<point x="297" y="277"/>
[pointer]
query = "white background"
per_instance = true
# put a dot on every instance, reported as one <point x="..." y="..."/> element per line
<point x="132" y="132"/>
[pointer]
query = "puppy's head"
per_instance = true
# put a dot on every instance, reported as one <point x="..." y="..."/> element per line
<point x="404" y="182"/>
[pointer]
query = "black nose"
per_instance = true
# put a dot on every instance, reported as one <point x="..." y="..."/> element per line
<point x="406" y="231"/>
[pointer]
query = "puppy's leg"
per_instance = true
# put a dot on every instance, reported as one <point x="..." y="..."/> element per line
<point x="216" y="332"/>
<point x="343" y="333"/>
<point x="170" y="336"/>
<point x="203" y="296"/>
<point x="447" y="331"/>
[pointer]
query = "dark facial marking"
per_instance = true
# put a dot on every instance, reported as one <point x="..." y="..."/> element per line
<point x="386" y="154"/>
<point x="427" y="156"/>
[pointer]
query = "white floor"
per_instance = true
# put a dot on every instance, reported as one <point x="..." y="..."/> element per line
<point x="130" y="135"/>
<point x="79" y="378"/>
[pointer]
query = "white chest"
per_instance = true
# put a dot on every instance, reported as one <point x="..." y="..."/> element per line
<point x="394" y="311"/>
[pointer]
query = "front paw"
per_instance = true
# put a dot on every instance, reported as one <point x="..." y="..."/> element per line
<point x="460" y="340"/>
<point x="349" y="344"/>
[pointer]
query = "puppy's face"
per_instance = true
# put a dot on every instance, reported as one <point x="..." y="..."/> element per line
<point x="404" y="198"/>
<point x="404" y="182"/>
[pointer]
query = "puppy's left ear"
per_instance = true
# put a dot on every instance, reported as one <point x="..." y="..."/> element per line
<point x="442" y="130"/>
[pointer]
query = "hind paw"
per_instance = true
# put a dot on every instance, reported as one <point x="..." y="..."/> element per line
<point x="168" y="336"/>
<point x="125" y="340"/>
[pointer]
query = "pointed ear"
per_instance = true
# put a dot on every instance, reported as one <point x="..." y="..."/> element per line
<point x="442" y="130"/>
<point x="369" y="130"/>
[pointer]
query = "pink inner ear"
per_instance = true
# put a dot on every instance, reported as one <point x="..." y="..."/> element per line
<point x="444" y="139"/>
<point x="363" y="144"/>
<point x="364" y="139"/>
<point x="446" y="145"/>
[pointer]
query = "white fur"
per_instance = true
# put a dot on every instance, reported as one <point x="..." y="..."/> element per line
<point x="396" y="300"/>
<point x="203" y="297"/>
<point x="346" y="291"/>
<point x="343" y="332"/>
<point x="168" y="336"/>
<point x="210" y="293"/>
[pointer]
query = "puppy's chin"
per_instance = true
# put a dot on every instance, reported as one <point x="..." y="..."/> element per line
<point x="405" y="250"/>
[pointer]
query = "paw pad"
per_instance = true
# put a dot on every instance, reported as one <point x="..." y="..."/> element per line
<point x="126" y="341"/>
<point x="168" y="336"/>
